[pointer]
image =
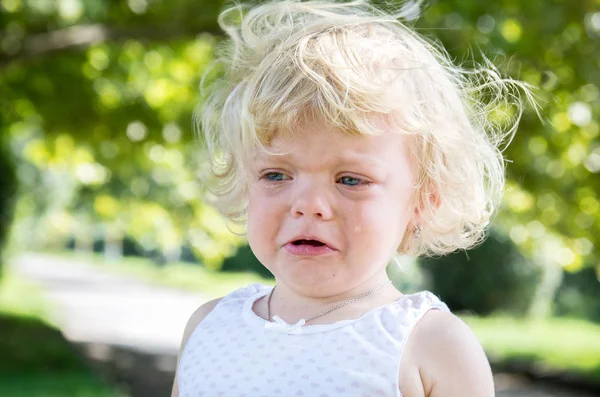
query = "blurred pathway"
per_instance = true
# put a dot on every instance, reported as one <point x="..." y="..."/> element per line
<point x="103" y="307"/>
<point x="131" y="330"/>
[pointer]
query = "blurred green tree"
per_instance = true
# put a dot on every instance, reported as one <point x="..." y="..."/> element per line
<point x="494" y="276"/>
<point x="8" y="194"/>
<point x="98" y="98"/>
<point x="551" y="208"/>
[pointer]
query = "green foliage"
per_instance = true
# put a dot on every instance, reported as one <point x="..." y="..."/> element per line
<point x="244" y="260"/>
<point x="551" y="209"/>
<point x="492" y="277"/>
<point x="103" y="134"/>
<point x="8" y="193"/>
<point x="579" y="295"/>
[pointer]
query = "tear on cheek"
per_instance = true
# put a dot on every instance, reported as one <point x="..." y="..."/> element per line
<point x="357" y="228"/>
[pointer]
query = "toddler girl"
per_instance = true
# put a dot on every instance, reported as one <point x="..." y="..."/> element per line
<point x="342" y="138"/>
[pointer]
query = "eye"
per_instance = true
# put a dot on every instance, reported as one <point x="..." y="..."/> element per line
<point x="274" y="176"/>
<point x="352" y="181"/>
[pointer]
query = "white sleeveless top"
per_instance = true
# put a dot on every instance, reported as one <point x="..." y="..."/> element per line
<point x="232" y="353"/>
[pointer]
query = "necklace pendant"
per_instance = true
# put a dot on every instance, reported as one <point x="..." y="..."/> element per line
<point x="278" y="325"/>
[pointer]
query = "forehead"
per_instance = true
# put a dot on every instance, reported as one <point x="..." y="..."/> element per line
<point x="321" y="142"/>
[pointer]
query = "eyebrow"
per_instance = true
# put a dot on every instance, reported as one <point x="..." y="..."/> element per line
<point x="358" y="158"/>
<point x="337" y="159"/>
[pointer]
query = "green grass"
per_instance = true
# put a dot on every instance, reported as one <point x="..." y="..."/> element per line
<point x="21" y="298"/>
<point x="36" y="360"/>
<point x="56" y="384"/>
<point x="549" y="345"/>
<point x="187" y="276"/>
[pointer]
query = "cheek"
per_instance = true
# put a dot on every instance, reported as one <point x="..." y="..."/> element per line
<point x="257" y="204"/>
<point x="257" y="233"/>
<point x="263" y="219"/>
<point x="253" y="220"/>
<point x="378" y="223"/>
<point x="366" y="223"/>
<point x="257" y="217"/>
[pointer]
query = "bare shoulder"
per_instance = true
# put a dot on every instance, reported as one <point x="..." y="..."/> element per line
<point x="197" y="316"/>
<point x="449" y="357"/>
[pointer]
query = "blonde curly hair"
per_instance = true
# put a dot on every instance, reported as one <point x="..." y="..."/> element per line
<point x="288" y="62"/>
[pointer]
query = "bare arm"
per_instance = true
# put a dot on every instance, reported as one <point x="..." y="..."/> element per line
<point x="193" y="322"/>
<point x="453" y="363"/>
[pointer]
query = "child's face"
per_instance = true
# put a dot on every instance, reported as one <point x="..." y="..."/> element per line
<point x="352" y="193"/>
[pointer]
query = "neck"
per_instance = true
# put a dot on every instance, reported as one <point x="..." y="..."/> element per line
<point x="293" y="304"/>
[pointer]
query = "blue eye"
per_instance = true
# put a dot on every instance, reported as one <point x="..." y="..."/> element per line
<point x="351" y="181"/>
<point x="274" y="176"/>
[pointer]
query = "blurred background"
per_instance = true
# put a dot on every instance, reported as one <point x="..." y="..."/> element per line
<point x="108" y="246"/>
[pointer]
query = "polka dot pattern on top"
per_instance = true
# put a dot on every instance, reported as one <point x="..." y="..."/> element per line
<point x="232" y="354"/>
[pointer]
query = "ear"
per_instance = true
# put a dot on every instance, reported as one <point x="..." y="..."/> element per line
<point x="417" y="218"/>
<point x="434" y="200"/>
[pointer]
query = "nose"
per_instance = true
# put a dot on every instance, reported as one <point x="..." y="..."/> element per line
<point x="312" y="201"/>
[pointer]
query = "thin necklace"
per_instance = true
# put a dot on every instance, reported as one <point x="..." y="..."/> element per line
<point x="324" y="312"/>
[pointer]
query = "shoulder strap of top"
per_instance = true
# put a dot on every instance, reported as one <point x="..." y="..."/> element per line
<point x="240" y="295"/>
<point x="426" y="300"/>
<point x="412" y="309"/>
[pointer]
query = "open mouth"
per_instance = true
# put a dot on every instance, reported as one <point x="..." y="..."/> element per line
<point x="313" y="243"/>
